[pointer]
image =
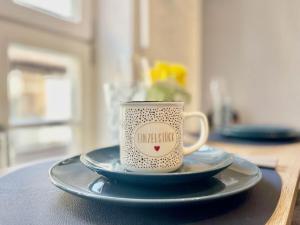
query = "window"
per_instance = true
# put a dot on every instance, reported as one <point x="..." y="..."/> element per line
<point x="32" y="143"/>
<point x="45" y="91"/>
<point x="41" y="86"/>
<point x="67" y="17"/>
<point x="64" y="9"/>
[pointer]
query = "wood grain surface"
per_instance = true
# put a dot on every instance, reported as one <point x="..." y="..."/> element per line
<point x="296" y="217"/>
<point x="288" y="168"/>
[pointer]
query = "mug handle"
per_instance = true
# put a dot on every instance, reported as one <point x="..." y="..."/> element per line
<point x="203" y="128"/>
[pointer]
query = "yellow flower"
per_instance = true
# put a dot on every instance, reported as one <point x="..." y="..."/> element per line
<point x="179" y="74"/>
<point x="164" y="70"/>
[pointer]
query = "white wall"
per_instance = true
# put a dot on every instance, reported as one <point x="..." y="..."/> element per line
<point x="255" y="46"/>
<point x="114" y="39"/>
<point x="113" y="50"/>
<point x="175" y="35"/>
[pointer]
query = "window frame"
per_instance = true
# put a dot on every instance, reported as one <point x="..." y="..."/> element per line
<point x="31" y="17"/>
<point x="15" y="33"/>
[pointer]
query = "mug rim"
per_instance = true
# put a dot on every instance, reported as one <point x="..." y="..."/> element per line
<point x="152" y="103"/>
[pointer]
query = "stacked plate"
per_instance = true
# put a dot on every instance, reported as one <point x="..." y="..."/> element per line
<point x="260" y="132"/>
<point x="207" y="174"/>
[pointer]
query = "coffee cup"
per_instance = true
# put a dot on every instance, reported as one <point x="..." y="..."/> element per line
<point x="151" y="135"/>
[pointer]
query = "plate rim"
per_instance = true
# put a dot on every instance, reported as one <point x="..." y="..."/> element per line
<point x="73" y="190"/>
<point x="89" y="164"/>
<point x="233" y="131"/>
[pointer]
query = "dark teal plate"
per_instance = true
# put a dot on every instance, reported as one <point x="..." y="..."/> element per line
<point x="202" y="164"/>
<point x="265" y="132"/>
<point x="72" y="176"/>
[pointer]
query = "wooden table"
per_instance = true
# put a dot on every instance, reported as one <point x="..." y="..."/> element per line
<point x="288" y="167"/>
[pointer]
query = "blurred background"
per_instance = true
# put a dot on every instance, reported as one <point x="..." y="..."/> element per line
<point x="65" y="65"/>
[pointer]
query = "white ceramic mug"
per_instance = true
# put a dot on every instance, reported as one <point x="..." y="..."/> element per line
<point x="151" y="135"/>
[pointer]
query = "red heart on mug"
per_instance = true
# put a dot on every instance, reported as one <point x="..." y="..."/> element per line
<point x="157" y="147"/>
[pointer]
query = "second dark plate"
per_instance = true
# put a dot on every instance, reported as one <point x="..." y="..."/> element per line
<point x="259" y="132"/>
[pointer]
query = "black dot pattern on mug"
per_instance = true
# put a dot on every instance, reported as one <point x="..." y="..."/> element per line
<point x="135" y="117"/>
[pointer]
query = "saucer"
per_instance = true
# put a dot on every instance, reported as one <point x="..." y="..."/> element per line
<point x="202" y="164"/>
<point x="262" y="132"/>
<point x="72" y="176"/>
